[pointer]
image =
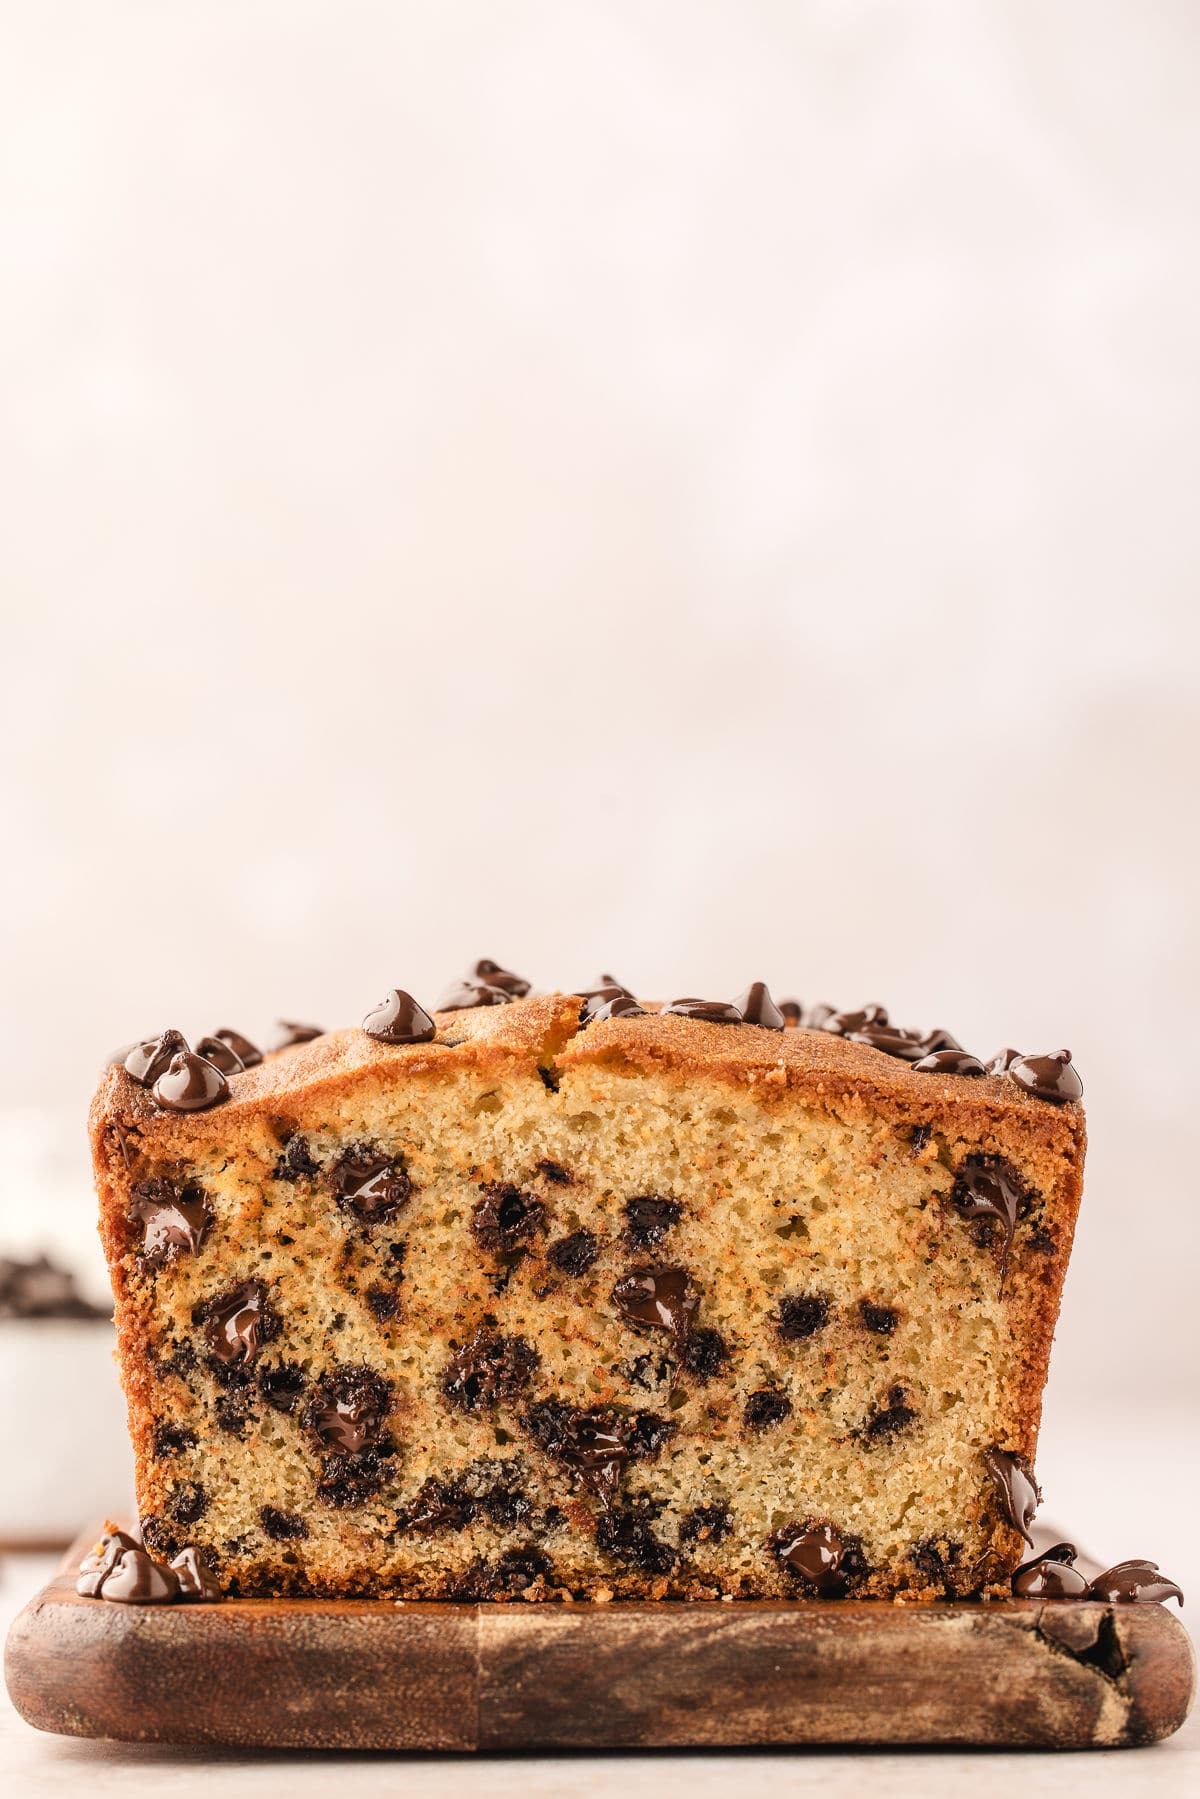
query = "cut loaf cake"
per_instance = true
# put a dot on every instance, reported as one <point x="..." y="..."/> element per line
<point x="664" y="1304"/>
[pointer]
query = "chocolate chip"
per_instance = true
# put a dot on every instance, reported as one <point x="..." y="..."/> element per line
<point x="100" y="1562"/>
<point x="197" y="1582"/>
<point x="489" y="1371"/>
<point x="592" y="1444"/>
<point x="174" y="1221"/>
<point x="801" y="1315"/>
<point x="282" y="1527"/>
<point x="297" y="1162"/>
<point x="949" y="1061"/>
<point x="234" y="1410"/>
<point x="880" y="1319"/>
<point x="757" y="1007"/>
<point x="1051" y="1077"/>
<point x="39" y="1289"/>
<point x="556" y="1174"/>
<point x="370" y="1185"/>
<point x="150" y="1058"/>
<point x="221" y="1055"/>
<point x="348" y="1410"/>
<point x="351" y="1480"/>
<point x="519" y="1569"/>
<point x="189" y="1084"/>
<point x="282" y="1386"/>
<point x="618" y="1004"/>
<point x="134" y="1579"/>
<point x="908" y="1047"/>
<point x="887" y="1423"/>
<point x="649" y="1371"/>
<point x="440" y="1505"/>
<point x="991" y="1188"/>
<point x="1134" y="1583"/>
<point x="1051" y="1575"/>
<point x="624" y="1533"/>
<point x="188" y="1503"/>
<point x="921" y="1133"/>
<point x="649" y="1217"/>
<point x="466" y="995"/>
<point x="1003" y="1060"/>
<point x="765" y="1408"/>
<point x="383" y="1303"/>
<point x="505" y="1218"/>
<point x="504" y="978"/>
<point x="817" y="1017"/>
<point x="1015" y="1486"/>
<point x="548" y="1079"/>
<point x="709" y="1011"/>
<point x="290" y="1033"/>
<point x="937" y="1559"/>
<point x="843" y="1024"/>
<point x="173" y="1439"/>
<point x="792" y="1011"/>
<point x="575" y="1254"/>
<point x="398" y="1019"/>
<point x="706" y="1524"/>
<point x="238" y="1322"/>
<point x="247" y="1053"/>
<point x="706" y="1355"/>
<point x="820" y="1557"/>
<point x="658" y="1299"/>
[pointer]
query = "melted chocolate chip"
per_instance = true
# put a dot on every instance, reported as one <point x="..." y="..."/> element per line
<point x="792" y="1011"/>
<point x="96" y="1566"/>
<point x="658" y="1299"/>
<point x="371" y="1186"/>
<point x="349" y="1409"/>
<point x="147" y="1060"/>
<point x="247" y="1053"/>
<point x="605" y="986"/>
<point x="706" y="1355"/>
<point x="609" y="1005"/>
<point x="1134" y="1583"/>
<point x="297" y="1163"/>
<point x="575" y="1254"/>
<point x="706" y="1524"/>
<point x="757" y="1007"/>
<point x="908" y="1047"/>
<point x="766" y="1408"/>
<point x="197" y="1582"/>
<point x="1016" y="1488"/>
<point x="187" y="1504"/>
<point x="465" y="996"/>
<point x="173" y="1439"/>
<point x="220" y="1055"/>
<point x="592" y="1444"/>
<point x="515" y="1572"/>
<point x="624" y="1533"/>
<point x="383" y="1303"/>
<point x="949" y="1061"/>
<point x="505" y="1218"/>
<point x="710" y="1011"/>
<point x="937" y="1559"/>
<point x="489" y="1371"/>
<point x="1051" y="1077"/>
<point x="282" y="1527"/>
<point x="880" y="1319"/>
<point x="174" y="1223"/>
<point x="1003" y="1060"/>
<point x="398" y="1019"/>
<point x="351" y="1480"/>
<point x="819" y="1556"/>
<point x="887" y="1423"/>
<point x="801" y="1315"/>
<point x="1051" y="1575"/>
<point x="282" y="1386"/>
<point x="504" y="978"/>
<point x="555" y="1173"/>
<point x="237" y="1323"/>
<point x="134" y="1579"/>
<point x="440" y="1505"/>
<point x="842" y="1024"/>
<point x="189" y="1084"/>
<point x="290" y="1033"/>
<point x="648" y="1219"/>
<point x="989" y="1187"/>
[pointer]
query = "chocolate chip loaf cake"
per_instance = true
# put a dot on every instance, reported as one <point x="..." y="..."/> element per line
<point x="565" y="1296"/>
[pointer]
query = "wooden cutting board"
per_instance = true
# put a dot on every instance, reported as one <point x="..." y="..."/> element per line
<point x="380" y="1674"/>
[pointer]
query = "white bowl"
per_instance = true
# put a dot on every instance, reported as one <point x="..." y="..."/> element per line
<point x="67" y="1461"/>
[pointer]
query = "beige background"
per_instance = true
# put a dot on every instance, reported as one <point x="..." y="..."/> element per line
<point x="707" y="490"/>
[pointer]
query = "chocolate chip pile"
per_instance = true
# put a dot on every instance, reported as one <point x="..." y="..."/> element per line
<point x="40" y="1289"/>
<point x="121" y="1570"/>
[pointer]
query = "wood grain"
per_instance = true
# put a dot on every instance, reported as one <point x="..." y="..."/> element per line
<point x="375" y="1674"/>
